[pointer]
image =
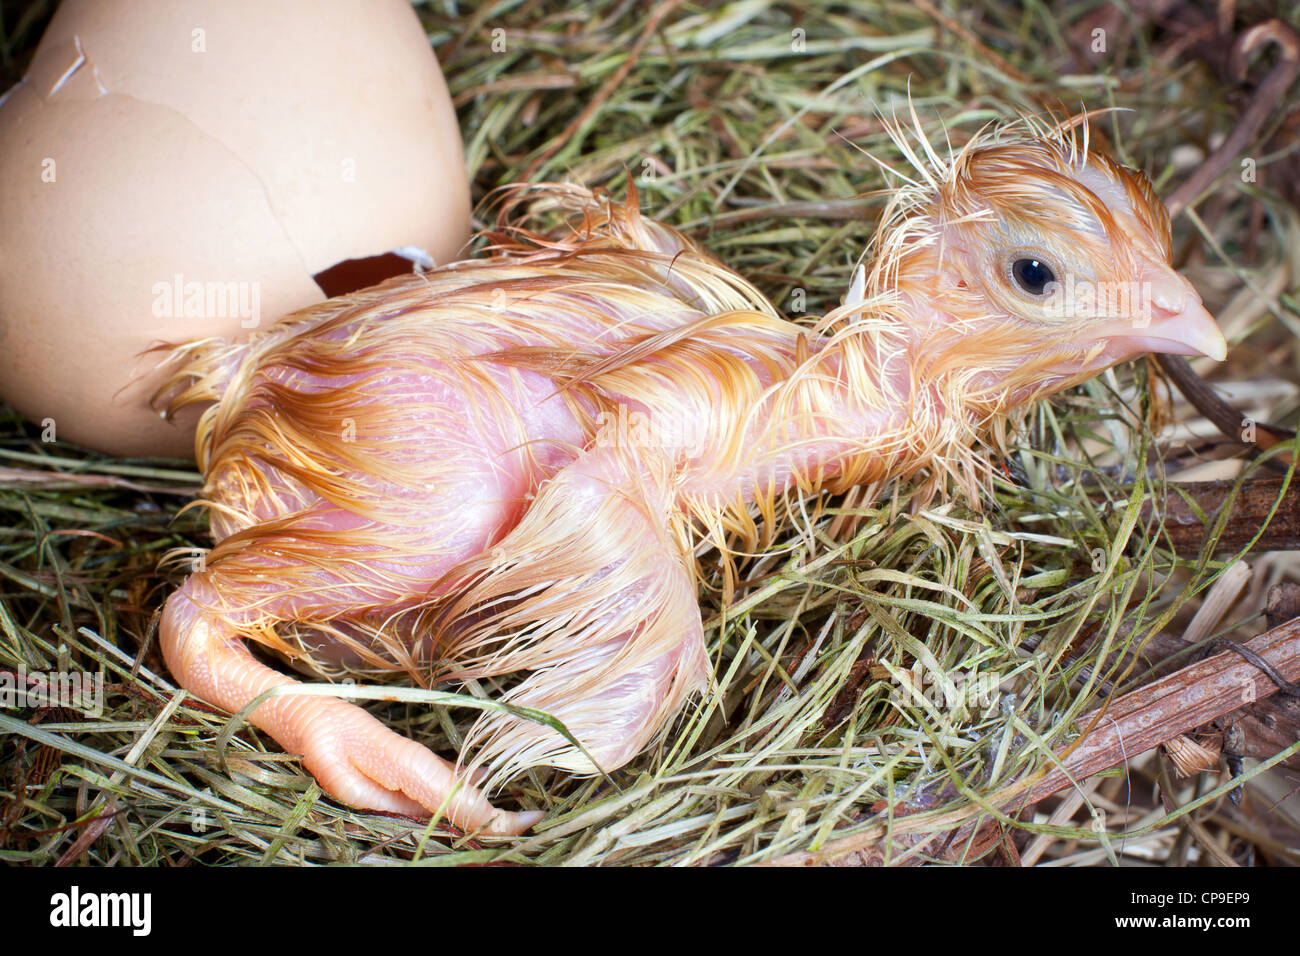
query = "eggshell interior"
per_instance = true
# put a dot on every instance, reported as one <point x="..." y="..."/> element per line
<point x="171" y="171"/>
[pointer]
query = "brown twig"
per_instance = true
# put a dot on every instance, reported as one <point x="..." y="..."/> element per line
<point x="1114" y="734"/>
<point x="1282" y="603"/>
<point x="1220" y="414"/>
<point x="1265" y="101"/>
<point x="1184" y="505"/>
<point x="92" y="830"/>
<point x="1186" y="699"/>
<point x="652" y="24"/>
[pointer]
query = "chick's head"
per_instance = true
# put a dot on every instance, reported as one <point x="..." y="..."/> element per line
<point x="1026" y="265"/>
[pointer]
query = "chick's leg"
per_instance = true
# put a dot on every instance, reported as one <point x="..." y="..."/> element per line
<point x="594" y="595"/>
<point x="355" y="758"/>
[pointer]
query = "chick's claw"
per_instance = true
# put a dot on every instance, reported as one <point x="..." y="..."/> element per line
<point x="357" y="760"/>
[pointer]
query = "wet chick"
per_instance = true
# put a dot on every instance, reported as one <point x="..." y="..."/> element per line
<point x="506" y="466"/>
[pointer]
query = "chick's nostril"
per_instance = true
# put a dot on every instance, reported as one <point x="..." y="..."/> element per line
<point x="1167" y="301"/>
<point x="1168" y="292"/>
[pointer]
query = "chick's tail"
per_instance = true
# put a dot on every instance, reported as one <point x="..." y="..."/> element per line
<point x="205" y="371"/>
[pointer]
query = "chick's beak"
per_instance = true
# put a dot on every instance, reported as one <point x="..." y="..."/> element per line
<point x="1171" y="319"/>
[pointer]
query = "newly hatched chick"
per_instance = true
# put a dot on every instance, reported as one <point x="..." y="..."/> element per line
<point x="506" y="465"/>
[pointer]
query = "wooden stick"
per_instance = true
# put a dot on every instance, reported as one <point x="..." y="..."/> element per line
<point x="1130" y="726"/>
<point x="1220" y="414"/>
<point x="1185" y="530"/>
<point x="1183" y="701"/>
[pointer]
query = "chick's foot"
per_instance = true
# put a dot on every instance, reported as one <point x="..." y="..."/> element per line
<point x="355" y="758"/>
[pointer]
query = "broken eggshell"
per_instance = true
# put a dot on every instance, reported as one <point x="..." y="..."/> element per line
<point x="170" y="172"/>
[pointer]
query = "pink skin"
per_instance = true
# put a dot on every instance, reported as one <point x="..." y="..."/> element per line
<point x="505" y="494"/>
<point x="354" y="757"/>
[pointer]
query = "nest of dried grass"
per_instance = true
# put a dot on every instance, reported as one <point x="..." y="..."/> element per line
<point x="873" y="690"/>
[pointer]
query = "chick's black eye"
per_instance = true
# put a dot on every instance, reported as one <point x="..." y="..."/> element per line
<point x="1032" y="275"/>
